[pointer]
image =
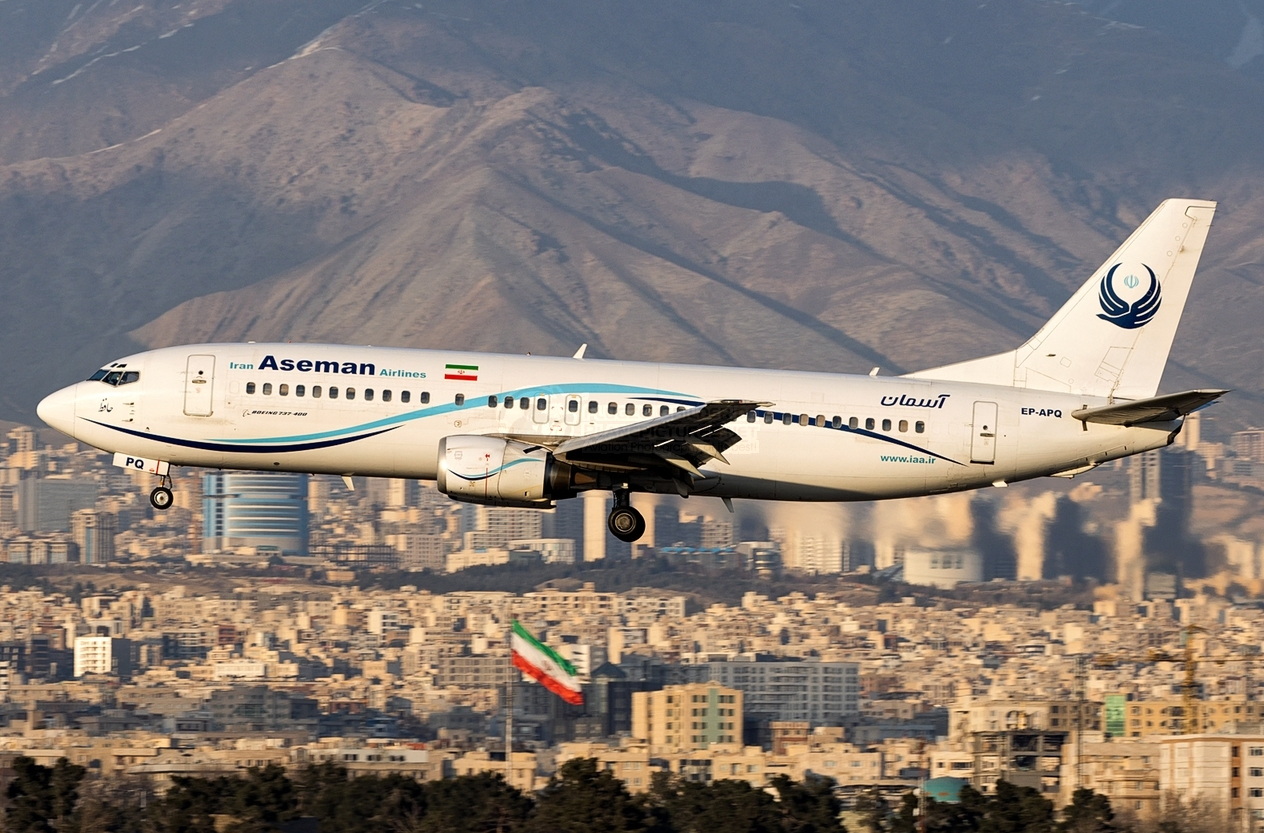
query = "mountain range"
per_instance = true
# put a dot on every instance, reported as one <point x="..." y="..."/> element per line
<point x="819" y="184"/>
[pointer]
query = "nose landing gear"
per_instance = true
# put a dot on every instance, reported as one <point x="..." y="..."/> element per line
<point x="624" y="522"/>
<point x="161" y="497"/>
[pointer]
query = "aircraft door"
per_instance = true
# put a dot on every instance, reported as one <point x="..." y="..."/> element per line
<point x="983" y="436"/>
<point x="199" y="385"/>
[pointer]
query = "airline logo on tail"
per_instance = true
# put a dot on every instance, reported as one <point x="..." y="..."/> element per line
<point x="1127" y="315"/>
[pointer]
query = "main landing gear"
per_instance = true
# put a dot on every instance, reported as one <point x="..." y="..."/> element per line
<point x="624" y="522"/>
<point x="161" y="497"/>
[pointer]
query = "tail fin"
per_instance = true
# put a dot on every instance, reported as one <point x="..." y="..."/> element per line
<point x="1112" y="338"/>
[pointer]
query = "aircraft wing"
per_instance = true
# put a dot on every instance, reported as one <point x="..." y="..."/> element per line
<point x="1155" y="409"/>
<point x="677" y="443"/>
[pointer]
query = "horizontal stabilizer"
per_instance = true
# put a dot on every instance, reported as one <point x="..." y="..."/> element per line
<point x="1155" y="409"/>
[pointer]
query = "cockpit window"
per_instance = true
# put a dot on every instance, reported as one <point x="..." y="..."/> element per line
<point x="115" y="377"/>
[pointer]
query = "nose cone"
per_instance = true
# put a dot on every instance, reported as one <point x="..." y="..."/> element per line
<point x="58" y="410"/>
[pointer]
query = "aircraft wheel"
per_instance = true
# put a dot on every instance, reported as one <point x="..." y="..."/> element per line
<point x="626" y="523"/>
<point x="161" y="497"/>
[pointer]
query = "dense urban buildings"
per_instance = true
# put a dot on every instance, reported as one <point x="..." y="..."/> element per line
<point x="180" y="665"/>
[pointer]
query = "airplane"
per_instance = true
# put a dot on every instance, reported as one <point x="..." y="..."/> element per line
<point x="526" y="431"/>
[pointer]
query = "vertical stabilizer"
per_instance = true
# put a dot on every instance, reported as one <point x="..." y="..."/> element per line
<point x="1112" y="338"/>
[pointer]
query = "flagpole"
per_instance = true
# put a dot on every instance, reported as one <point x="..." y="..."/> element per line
<point x="509" y="687"/>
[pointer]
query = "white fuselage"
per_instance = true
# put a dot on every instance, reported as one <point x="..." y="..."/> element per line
<point x="822" y="437"/>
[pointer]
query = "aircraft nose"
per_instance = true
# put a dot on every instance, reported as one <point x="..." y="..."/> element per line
<point x="58" y="410"/>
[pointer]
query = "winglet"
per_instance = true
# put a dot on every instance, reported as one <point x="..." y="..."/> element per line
<point x="579" y="354"/>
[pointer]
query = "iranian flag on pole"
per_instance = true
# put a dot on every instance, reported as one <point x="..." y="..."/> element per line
<point x="532" y="657"/>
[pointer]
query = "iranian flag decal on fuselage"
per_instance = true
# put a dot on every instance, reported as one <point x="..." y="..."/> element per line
<point x="461" y="372"/>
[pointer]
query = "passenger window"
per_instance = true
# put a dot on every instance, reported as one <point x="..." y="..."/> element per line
<point x="592" y="406"/>
<point x="612" y="408"/>
<point x="405" y="396"/>
<point x="573" y="406"/>
<point x="541" y="404"/>
<point x="460" y="399"/>
<point x="786" y="419"/>
<point x="869" y="423"/>
<point x="664" y="411"/>
<point x="333" y="392"/>
<point x="853" y="423"/>
<point x="508" y="401"/>
<point x="250" y="387"/>
<point x="491" y="402"/>
<point x="524" y="403"/>
<point x="750" y="416"/>
<point x="629" y="409"/>
<point x="425" y="397"/>
<point x="368" y="394"/>
<point x="351" y="393"/>
<point x="267" y="388"/>
<point x="315" y="391"/>
<point x="647" y="410"/>
<point x="886" y="425"/>
<point x="386" y="396"/>
<point x="283" y="389"/>
<point x="680" y="407"/>
<point x="768" y="417"/>
<point x="820" y="419"/>
<point x="300" y="390"/>
<point x="804" y="420"/>
<point x="903" y="426"/>
<point x="838" y="422"/>
<point x="919" y="427"/>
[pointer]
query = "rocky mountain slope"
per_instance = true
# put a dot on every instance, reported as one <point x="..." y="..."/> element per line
<point x="824" y="184"/>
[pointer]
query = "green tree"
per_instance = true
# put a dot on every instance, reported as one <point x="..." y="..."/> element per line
<point x="262" y="799"/>
<point x="732" y="806"/>
<point x="808" y="806"/>
<point x="483" y="803"/>
<point x="1088" y="812"/>
<point x="1015" y="809"/>
<point x="961" y="816"/>
<point x="42" y="799"/>
<point x="874" y="811"/>
<point x="581" y="798"/>
<point x="906" y="818"/>
<point x="189" y="805"/>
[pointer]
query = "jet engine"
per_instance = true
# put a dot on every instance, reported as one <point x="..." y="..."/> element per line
<point x="500" y="472"/>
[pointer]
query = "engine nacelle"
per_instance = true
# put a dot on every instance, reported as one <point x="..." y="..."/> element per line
<point x="499" y="472"/>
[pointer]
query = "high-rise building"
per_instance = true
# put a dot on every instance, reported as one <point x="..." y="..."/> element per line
<point x="94" y="532"/>
<point x="1249" y="444"/>
<point x="691" y="716"/>
<point x="45" y="504"/>
<point x="822" y="693"/>
<point x="419" y="550"/>
<point x="497" y="526"/>
<point x="255" y="509"/>
<point x="103" y="655"/>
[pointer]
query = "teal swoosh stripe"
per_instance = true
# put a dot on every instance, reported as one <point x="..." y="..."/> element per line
<point x="493" y="472"/>
<point x="435" y="410"/>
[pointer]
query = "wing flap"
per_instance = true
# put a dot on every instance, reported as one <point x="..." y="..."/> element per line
<point x="683" y="440"/>
<point x="1163" y="408"/>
